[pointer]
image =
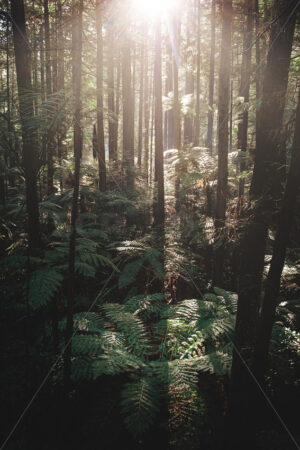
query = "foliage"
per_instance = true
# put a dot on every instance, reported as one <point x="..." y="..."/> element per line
<point x="161" y="347"/>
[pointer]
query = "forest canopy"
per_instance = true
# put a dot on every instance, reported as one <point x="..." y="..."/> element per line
<point x="149" y="224"/>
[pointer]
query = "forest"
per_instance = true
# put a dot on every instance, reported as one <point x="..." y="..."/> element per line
<point x="150" y="224"/>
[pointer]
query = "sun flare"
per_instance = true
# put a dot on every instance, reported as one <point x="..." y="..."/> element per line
<point x="153" y="8"/>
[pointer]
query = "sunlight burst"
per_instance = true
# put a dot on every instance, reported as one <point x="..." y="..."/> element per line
<point x="152" y="8"/>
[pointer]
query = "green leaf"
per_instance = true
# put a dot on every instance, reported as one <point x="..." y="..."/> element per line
<point x="43" y="285"/>
<point x="130" y="272"/>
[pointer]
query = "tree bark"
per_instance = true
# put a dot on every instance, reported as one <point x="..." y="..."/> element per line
<point x="146" y="112"/>
<point x="223" y="113"/>
<point x="60" y="83"/>
<point x="118" y="104"/>
<point x="210" y="122"/>
<point x="189" y="80"/>
<point x="30" y="146"/>
<point x="272" y="285"/>
<point x="49" y="136"/>
<point x="100" y="125"/>
<point x="244" y="89"/>
<point x="176" y="101"/>
<point x="141" y="104"/>
<point x="159" y="146"/>
<point x="197" y="117"/>
<point x="76" y="87"/>
<point x="169" y="114"/>
<point x="111" y="98"/>
<point x="128" y="114"/>
<point x="264" y="190"/>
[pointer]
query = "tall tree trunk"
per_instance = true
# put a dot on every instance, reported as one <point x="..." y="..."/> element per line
<point x="257" y="62"/>
<point x="264" y="190"/>
<point x="128" y="113"/>
<point x="223" y="112"/>
<point x="141" y="104"/>
<point x="169" y="114"/>
<point x="189" y="79"/>
<point x="272" y="285"/>
<point x="159" y="147"/>
<point x="197" y="118"/>
<point x="244" y="90"/>
<point x="176" y="101"/>
<point x="152" y="100"/>
<point x="231" y="117"/>
<point x="54" y="49"/>
<point x="100" y="125"/>
<point x="146" y="111"/>
<point x="111" y="97"/>
<point x="210" y="123"/>
<point x="30" y="146"/>
<point x="49" y="137"/>
<point x="118" y="103"/>
<point x="60" y="82"/>
<point x="76" y="87"/>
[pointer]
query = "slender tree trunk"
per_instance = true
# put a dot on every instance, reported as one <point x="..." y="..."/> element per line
<point x="100" y="125"/>
<point x="272" y="286"/>
<point x="223" y="113"/>
<point x="128" y="113"/>
<point x="231" y="117"/>
<point x="257" y="58"/>
<point x="118" y="104"/>
<point x="49" y="136"/>
<point x="43" y="97"/>
<point x="111" y="98"/>
<point x="133" y="80"/>
<point x="54" y="48"/>
<point x="176" y="102"/>
<point x="209" y="139"/>
<point x="60" y="82"/>
<point x="141" y="104"/>
<point x="76" y="87"/>
<point x="244" y="90"/>
<point x="189" y="80"/>
<point x="169" y="114"/>
<point x="152" y="99"/>
<point x="159" y="147"/>
<point x="197" y="118"/>
<point x="30" y="147"/>
<point x="42" y="61"/>
<point x="264" y="191"/>
<point x="146" y="112"/>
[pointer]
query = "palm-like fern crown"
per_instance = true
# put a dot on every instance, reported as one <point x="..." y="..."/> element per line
<point x="161" y="348"/>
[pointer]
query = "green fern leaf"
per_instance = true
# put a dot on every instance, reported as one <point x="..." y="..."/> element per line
<point x="130" y="272"/>
<point x="140" y="404"/>
<point x="43" y="285"/>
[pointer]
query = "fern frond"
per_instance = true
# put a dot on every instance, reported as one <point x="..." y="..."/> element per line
<point x="140" y="404"/>
<point x="148" y="304"/>
<point x="87" y="345"/>
<point x="88" y="322"/>
<point x="130" y="272"/>
<point x="85" y="269"/>
<point x="43" y="285"/>
<point x="188" y="310"/>
<point x="130" y="325"/>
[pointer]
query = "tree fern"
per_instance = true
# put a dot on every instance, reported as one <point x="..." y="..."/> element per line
<point x="188" y="338"/>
